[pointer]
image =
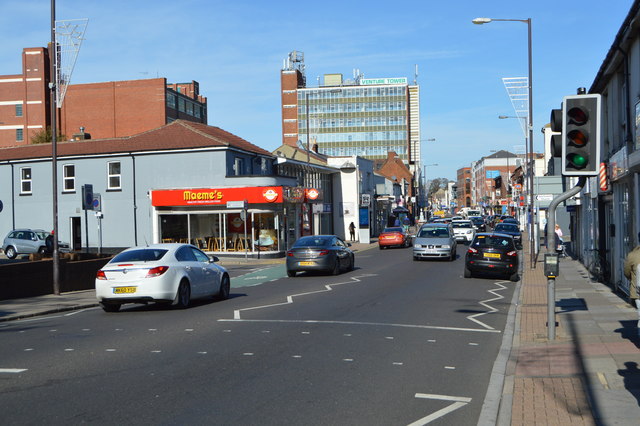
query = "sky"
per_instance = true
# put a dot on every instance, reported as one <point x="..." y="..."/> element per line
<point x="235" y="50"/>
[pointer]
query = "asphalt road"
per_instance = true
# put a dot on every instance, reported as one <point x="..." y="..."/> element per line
<point x="393" y="342"/>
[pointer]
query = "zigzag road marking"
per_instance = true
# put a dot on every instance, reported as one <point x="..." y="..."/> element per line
<point x="328" y="287"/>
<point x="491" y="308"/>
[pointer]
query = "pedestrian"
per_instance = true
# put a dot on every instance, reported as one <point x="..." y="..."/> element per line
<point x="352" y="231"/>
<point x="630" y="263"/>
<point x="559" y="240"/>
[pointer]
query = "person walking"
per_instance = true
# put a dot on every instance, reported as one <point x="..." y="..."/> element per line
<point x="630" y="263"/>
<point x="352" y="231"/>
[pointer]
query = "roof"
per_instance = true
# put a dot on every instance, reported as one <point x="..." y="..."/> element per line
<point x="179" y="134"/>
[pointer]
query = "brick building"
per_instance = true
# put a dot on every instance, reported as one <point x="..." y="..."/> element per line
<point x="463" y="184"/>
<point x="104" y="110"/>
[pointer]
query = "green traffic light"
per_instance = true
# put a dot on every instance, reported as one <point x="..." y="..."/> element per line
<point x="577" y="160"/>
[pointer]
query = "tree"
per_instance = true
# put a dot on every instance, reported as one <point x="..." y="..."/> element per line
<point x="437" y="184"/>
<point x="44" y="136"/>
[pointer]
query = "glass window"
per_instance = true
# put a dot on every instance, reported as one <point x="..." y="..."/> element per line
<point x="25" y="180"/>
<point x="140" y="255"/>
<point x="19" y="110"/>
<point x="69" y="177"/>
<point x="185" y="254"/>
<point x="19" y="135"/>
<point x="113" y="175"/>
<point x="238" y="166"/>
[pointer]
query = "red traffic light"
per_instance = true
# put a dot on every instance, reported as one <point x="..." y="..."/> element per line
<point x="577" y="116"/>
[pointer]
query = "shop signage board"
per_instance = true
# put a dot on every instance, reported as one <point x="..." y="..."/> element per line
<point x="216" y="196"/>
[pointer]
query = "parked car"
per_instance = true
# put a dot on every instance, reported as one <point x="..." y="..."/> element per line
<point x="394" y="237"/>
<point x="434" y="240"/>
<point x="492" y="253"/>
<point x="27" y="241"/>
<point x="510" y="229"/>
<point x="511" y="220"/>
<point x="463" y="230"/>
<point x="164" y="273"/>
<point x="326" y="253"/>
<point x="478" y="223"/>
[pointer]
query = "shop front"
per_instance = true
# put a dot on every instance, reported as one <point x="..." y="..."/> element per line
<point x="223" y="220"/>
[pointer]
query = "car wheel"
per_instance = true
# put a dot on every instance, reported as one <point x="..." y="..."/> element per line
<point x="467" y="272"/>
<point x="453" y="256"/>
<point x="352" y="264"/>
<point x="514" y="277"/>
<point x="380" y="247"/>
<point x="184" y="294"/>
<point x="291" y="273"/>
<point x="225" y="288"/>
<point x="336" y="268"/>
<point x="42" y="250"/>
<point x="110" y="307"/>
<point x="10" y="252"/>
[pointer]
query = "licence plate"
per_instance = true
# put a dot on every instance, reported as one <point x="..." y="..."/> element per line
<point x="123" y="290"/>
<point x="306" y="263"/>
<point x="492" y="255"/>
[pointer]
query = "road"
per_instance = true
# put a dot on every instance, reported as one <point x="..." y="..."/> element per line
<point x="392" y="342"/>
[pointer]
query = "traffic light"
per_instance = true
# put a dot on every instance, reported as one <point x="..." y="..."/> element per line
<point x="556" y="129"/>
<point x="581" y="135"/>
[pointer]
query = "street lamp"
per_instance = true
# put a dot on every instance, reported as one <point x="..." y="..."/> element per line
<point x="480" y="21"/>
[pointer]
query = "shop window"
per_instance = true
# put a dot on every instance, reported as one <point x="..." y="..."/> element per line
<point x="18" y="110"/>
<point x="69" y="178"/>
<point x="19" y="135"/>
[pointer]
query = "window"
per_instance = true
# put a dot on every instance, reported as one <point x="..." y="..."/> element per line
<point x="238" y="166"/>
<point x="19" y="135"/>
<point x="19" y="110"/>
<point x="69" y="178"/>
<point x="25" y="180"/>
<point x="113" y="175"/>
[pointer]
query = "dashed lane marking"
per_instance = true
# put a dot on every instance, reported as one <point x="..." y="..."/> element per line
<point x="12" y="370"/>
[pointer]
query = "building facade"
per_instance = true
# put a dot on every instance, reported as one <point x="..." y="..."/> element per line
<point x="102" y="110"/>
<point x="346" y="117"/>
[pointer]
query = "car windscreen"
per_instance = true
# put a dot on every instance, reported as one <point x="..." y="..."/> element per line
<point x="477" y="220"/>
<point x="503" y="227"/>
<point x="140" y="255"/>
<point x="312" y="242"/>
<point x="496" y="241"/>
<point x="461" y="225"/>
<point x="41" y="234"/>
<point x="432" y="232"/>
<point x="392" y="230"/>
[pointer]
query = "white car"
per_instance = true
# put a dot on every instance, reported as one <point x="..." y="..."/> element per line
<point x="164" y="273"/>
<point x="463" y="230"/>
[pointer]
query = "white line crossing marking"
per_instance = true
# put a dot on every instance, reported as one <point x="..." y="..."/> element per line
<point x="328" y="287"/>
<point x="457" y="403"/>
<point x="12" y="370"/>
<point x="491" y="308"/>
<point x="429" y="327"/>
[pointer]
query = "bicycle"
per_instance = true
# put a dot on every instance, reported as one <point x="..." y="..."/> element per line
<point x="598" y="267"/>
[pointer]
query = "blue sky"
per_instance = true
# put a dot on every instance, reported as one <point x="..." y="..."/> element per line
<point x="235" y="49"/>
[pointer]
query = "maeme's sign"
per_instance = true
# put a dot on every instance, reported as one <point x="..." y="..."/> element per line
<point x="215" y="196"/>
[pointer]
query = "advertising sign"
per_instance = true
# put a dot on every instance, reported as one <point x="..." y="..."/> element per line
<point x="216" y="196"/>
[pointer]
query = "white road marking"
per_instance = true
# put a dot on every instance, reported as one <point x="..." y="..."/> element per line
<point x="398" y="363"/>
<point x="431" y="340"/>
<point x="348" y="359"/>
<point x="28" y="349"/>
<point x="297" y="356"/>
<point x="153" y="329"/>
<point x="188" y="329"/>
<point x="306" y="332"/>
<point x="53" y="331"/>
<point x="110" y="350"/>
<point x="202" y="353"/>
<point x="491" y="308"/>
<point x="266" y="331"/>
<point x="68" y="350"/>
<point x="473" y="344"/>
<point x="248" y="354"/>
<point x="429" y="327"/>
<point x="12" y="370"/>
<point x="86" y="329"/>
<point x="389" y="338"/>
<point x="226" y="331"/>
<point x="347" y="335"/>
<point x="256" y="278"/>
<point x="155" y="352"/>
<point x="449" y="368"/>
<point x="457" y="403"/>
<point x="328" y="287"/>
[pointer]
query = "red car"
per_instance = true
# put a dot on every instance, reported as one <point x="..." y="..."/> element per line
<point x="394" y="237"/>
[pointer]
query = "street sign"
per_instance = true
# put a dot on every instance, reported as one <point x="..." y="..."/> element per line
<point x="237" y="204"/>
<point x="97" y="202"/>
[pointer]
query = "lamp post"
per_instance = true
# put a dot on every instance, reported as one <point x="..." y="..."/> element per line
<point x="480" y="21"/>
<point x="424" y="173"/>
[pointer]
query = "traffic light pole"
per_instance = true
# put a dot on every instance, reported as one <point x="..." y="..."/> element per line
<point x="551" y="250"/>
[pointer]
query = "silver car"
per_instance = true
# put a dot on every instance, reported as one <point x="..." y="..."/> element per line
<point x="434" y="240"/>
<point x="24" y="241"/>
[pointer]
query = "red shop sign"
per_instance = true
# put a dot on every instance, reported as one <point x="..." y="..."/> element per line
<point x="215" y="196"/>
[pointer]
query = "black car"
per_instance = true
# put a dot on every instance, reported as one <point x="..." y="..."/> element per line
<point x="510" y="229"/>
<point x="478" y="223"/>
<point x="493" y="253"/>
<point x="324" y="253"/>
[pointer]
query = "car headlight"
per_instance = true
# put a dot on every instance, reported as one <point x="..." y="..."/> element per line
<point x="417" y="246"/>
<point x="470" y="231"/>
<point x="446" y="246"/>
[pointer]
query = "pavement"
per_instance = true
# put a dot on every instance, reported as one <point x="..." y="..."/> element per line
<point x="587" y="375"/>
